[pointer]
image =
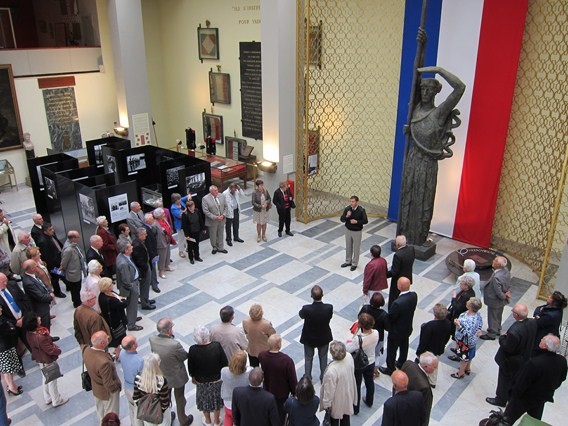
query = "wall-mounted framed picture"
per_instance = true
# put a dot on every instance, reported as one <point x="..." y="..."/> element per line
<point x="208" y="43"/>
<point x="314" y="48"/>
<point x="219" y="87"/>
<point x="11" y="135"/>
<point x="213" y="126"/>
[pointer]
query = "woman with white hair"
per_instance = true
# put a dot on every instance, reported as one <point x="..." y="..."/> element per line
<point x="469" y="271"/>
<point x="338" y="392"/>
<point x="109" y="249"/>
<point x="151" y="381"/>
<point x="204" y="363"/>
<point x="163" y="240"/>
<point x="91" y="283"/>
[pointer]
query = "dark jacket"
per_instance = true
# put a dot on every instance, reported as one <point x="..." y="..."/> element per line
<point x="401" y="314"/>
<point x="418" y="381"/>
<point x="192" y="223"/>
<point x="316" y="331"/>
<point x="548" y="321"/>
<point x="402" y="263"/>
<point x="91" y="254"/>
<point x="358" y="214"/>
<point x="140" y="257"/>
<point x="8" y="333"/>
<point x="19" y="297"/>
<point x="151" y="241"/>
<point x="40" y="298"/>
<point x="434" y="336"/>
<point x="256" y="205"/>
<point x="404" y="409"/>
<point x="254" y="407"/>
<point x="279" y="202"/>
<point x="50" y="254"/>
<point x="515" y="346"/>
<point x="381" y="318"/>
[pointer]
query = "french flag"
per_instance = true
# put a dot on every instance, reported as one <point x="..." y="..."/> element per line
<point x="480" y="42"/>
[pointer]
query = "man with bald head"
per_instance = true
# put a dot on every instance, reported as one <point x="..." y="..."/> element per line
<point x="418" y="379"/>
<point x="537" y="381"/>
<point x="94" y="253"/>
<point x="402" y="263"/>
<point x="496" y="295"/>
<point x="405" y="407"/>
<point x="36" y="231"/>
<point x="74" y="266"/>
<point x="252" y="405"/>
<point x="515" y="347"/>
<point x="104" y="377"/>
<point x="401" y="315"/>
<point x="18" y="256"/>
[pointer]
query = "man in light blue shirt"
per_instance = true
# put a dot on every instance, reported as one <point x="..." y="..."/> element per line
<point x="132" y="364"/>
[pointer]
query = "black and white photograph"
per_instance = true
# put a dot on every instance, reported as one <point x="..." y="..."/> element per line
<point x="99" y="155"/>
<point x="50" y="188"/>
<point x="195" y="183"/>
<point x="173" y="177"/>
<point x="135" y="162"/>
<point x="111" y="164"/>
<point x="87" y="208"/>
<point x="118" y="206"/>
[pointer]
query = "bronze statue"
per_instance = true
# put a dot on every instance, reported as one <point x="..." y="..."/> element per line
<point x="430" y="132"/>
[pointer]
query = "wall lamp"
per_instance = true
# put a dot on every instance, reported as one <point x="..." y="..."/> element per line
<point x="119" y="130"/>
<point x="267" y="166"/>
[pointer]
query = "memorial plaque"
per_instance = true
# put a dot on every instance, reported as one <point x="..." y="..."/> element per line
<point x="62" y="119"/>
<point x="251" y="89"/>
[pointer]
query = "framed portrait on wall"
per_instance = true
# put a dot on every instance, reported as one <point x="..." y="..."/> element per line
<point x="213" y="126"/>
<point x="219" y="87"/>
<point x="208" y="43"/>
<point x="11" y="136"/>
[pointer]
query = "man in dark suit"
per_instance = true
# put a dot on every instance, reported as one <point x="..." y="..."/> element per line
<point x="39" y="295"/>
<point x="434" y="336"/>
<point x="418" y="380"/>
<point x="496" y="295"/>
<point x="254" y="406"/>
<point x="405" y="407"/>
<point x="94" y="253"/>
<point x="536" y="382"/>
<point x="401" y="315"/>
<point x="515" y="349"/>
<point x="15" y="304"/>
<point x="51" y="249"/>
<point x="173" y="357"/>
<point x="36" y="231"/>
<point x="141" y="259"/>
<point x="316" y="332"/>
<point x="402" y="262"/>
<point x="127" y="281"/>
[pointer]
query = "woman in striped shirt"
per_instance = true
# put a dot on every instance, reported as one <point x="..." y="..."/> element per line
<point x="152" y="381"/>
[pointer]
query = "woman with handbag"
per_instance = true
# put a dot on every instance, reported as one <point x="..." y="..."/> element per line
<point x="205" y="360"/>
<point x="381" y="317"/>
<point x="45" y="353"/>
<point x="10" y="363"/>
<point x="152" y="394"/>
<point x="459" y="300"/>
<point x="164" y="239"/>
<point x="365" y="339"/>
<point x="468" y="330"/>
<point x="284" y="202"/>
<point x="261" y="204"/>
<point x="113" y="311"/>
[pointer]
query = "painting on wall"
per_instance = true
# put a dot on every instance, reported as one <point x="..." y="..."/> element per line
<point x="11" y="136"/>
<point x="63" y="119"/>
<point x="219" y="87"/>
<point x="213" y="126"/>
<point x="208" y="43"/>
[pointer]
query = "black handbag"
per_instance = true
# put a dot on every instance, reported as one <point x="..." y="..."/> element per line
<point x="292" y="204"/>
<point x="117" y="332"/>
<point x="51" y="372"/>
<point x="462" y="348"/>
<point x="360" y="358"/>
<point x="150" y="409"/>
<point x="327" y="418"/>
<point x="85" y="378"/>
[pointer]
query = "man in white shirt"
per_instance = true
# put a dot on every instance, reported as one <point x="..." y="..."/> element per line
<point x="232" y="194"/>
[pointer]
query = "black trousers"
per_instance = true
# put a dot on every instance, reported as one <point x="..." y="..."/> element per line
<point x="393" y="293"/>
<point x="344" y="421"/>
<point x="193" y="247"/>
<point x="367" y="374"/>
<point x="75" y="289"/>
<point x="232" y="224"/>
<point x="504" y="384"/>
<point x="516" y="408"/>
<point x="55" y="283"/>
<point x="396" y="343"/>
<point x="284" y="218"/>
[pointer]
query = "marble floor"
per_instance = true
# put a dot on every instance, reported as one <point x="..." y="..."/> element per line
<point x="278" y="274"/>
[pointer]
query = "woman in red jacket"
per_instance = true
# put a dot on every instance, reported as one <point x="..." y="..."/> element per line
<point x="44" y="352"/>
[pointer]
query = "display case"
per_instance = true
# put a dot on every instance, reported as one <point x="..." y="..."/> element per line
<point x="151" y="196"/>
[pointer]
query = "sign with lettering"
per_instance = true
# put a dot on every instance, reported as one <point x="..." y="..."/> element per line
<point x="251" y="89"/>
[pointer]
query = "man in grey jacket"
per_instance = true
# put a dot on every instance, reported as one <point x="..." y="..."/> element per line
<point x="496" y="295"/>
<point x="73" y="266"/>
<point x="173" y="357"/>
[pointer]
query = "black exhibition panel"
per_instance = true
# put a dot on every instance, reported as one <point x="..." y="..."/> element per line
<point x="94" y="148"/>
<point x="56" y="162"/>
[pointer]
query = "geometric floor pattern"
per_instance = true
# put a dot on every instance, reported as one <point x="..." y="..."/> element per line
<point x="278" y="274"/>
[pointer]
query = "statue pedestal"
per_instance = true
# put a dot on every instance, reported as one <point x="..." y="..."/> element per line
<point x="423" y="252"/>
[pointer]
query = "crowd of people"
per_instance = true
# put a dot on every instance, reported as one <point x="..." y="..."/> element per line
<point x="242" y="372"/>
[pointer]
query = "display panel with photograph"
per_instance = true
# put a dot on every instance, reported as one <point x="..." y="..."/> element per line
<point x="87" y="208"/>
<point x="195" y="183"/>
<point x="118" y="207"/>
<point x="172" y="176"/>
<point x="135" y="162"/>
<point x="50" y="188"/>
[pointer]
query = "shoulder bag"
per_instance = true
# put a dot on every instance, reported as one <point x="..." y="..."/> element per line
<point x="150" y="409"/>
<point x="360" y="358"/>
<point x="51" y="372"/>
<point x="85" y="378"/>
<point x="462" y="348"/>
